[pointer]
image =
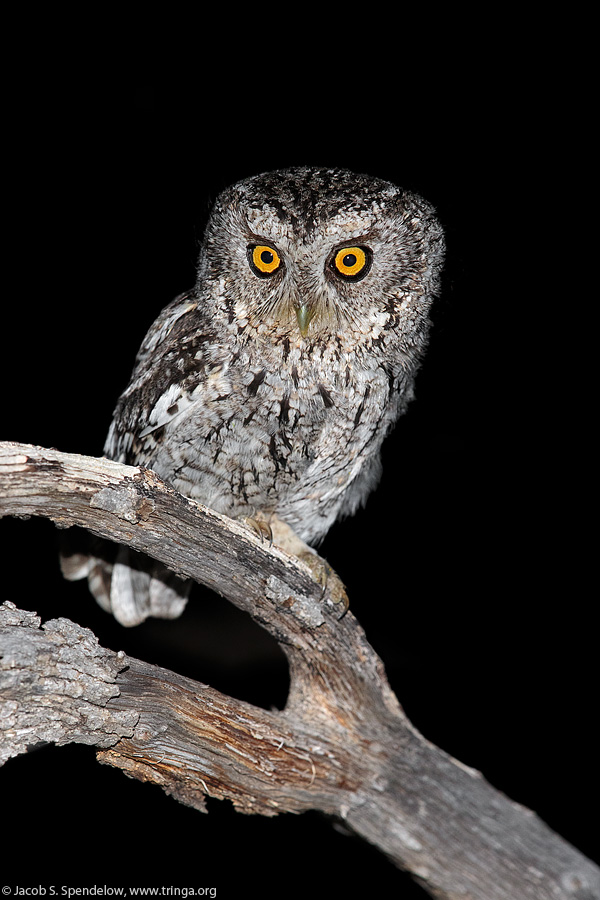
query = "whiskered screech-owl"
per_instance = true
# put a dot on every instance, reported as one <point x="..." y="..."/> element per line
<point x="269" y="388"/>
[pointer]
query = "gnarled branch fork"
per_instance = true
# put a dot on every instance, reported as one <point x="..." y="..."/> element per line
<point x="342" y="744"/>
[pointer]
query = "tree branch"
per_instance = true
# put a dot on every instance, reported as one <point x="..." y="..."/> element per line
<point x="342" y="745"/>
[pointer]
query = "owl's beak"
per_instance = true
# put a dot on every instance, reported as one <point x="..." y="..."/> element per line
<point x="304" y="314"/>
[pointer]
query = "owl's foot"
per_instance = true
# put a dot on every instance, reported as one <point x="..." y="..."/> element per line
<point x="270" y="528"/>
<point x="259" y="524"/>
<point x="332" y="585"/>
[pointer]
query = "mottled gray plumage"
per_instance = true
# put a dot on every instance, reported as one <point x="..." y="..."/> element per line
<point x="271" y="386"/>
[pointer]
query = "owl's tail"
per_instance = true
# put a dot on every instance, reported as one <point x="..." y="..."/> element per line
<point x="127" y="584"/>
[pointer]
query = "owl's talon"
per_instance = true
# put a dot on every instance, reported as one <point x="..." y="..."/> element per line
<point x="259" y="526"/>
<point x="332" y="585"/>
<point x="336" y="594"/>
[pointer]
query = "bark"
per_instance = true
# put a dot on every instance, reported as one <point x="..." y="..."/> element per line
<point x="342" y="745"/>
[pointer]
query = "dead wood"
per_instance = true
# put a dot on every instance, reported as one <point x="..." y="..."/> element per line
<point x="342" y="745"/>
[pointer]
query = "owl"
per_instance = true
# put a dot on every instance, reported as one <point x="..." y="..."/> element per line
<point x="269" y="388"/>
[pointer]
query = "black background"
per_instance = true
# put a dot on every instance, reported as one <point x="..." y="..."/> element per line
<point x="470" y="568"/>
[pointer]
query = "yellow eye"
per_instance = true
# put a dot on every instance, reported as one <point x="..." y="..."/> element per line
<point x="263" y="260"/>
<point x="352" y="263"/>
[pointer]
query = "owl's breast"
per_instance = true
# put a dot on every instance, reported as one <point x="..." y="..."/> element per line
<point x="285" y="433"/>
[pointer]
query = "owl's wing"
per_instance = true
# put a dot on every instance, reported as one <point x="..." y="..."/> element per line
<point x="156" y="393"/>
<point x="125" y="583"/>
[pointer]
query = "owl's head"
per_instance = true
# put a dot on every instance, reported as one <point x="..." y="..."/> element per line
<point x="307" y="253"/>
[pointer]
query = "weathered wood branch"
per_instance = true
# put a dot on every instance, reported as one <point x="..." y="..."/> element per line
<point x="342" y="745"/>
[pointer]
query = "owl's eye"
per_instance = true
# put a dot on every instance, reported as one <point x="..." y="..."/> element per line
<point x="351" y="263"/>
<point x="264" y="261"/>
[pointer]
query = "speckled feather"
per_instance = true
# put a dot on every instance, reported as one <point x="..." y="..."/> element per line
<point x="236" y="407"/>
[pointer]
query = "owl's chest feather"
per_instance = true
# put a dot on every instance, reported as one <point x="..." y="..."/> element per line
<point x="303" y="394"/>
<point x="275" y="428"/>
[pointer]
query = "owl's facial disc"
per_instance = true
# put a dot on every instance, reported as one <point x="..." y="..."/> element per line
<point x="346" y="262"/>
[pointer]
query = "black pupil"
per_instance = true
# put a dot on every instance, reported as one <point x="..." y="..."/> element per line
<point x="349" y="260"/>
<point x="267" y="257"/>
